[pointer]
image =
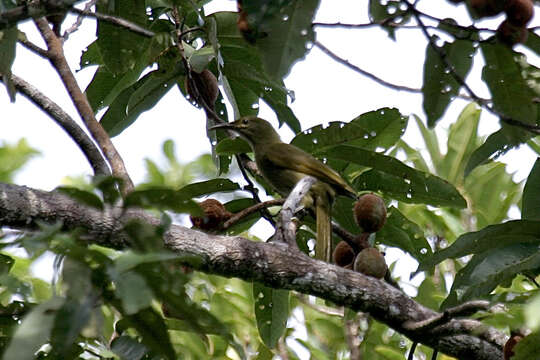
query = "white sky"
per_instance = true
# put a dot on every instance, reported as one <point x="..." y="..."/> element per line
<point x="325" y="91"/>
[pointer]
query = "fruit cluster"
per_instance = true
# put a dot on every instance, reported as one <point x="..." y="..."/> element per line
<point x="513" y="29"/>
<point x="214" y="216"/>
<point x="370" y="214"/>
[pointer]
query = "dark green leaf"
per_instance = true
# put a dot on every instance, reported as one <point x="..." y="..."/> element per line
<point x="494" y="236"/>
<point x="528" y="348"/>
<point x="68" y="323"/>
<point x="149" y="324"/>
<point x="6" y="262"/>
<point x="208" y="187"/>
<point x="245" y="80"/>
<point x="34" y="331"/>
<point x="136" y="99"/>
<point x="286" y="30"/>
<point x="237" y="205"/>
<point x="533" y="42"/>
<point x="8" y="40"/>
<point x="530" y="205"/>
<point x="495" y="145"/>
<point x="439" y="86"/>
<point x="234" y="146"/>
<point x="128" y="348"/>
<point x="132" y="290"/>
<point x="395" y="179"/>
<point x="380" y="11"/>
<point x="404" y="234"/>
<point x="490" y="268"/>
<point x="163" y="198"/>
<point x="119" y="47"/>
<point x="82" y="196"/>
<point x="504" y="77"/>
<point x="271" y="312"/>
<point x="375" y="129"/>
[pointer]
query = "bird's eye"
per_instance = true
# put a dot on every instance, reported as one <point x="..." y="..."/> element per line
<point x="245" y="121"/>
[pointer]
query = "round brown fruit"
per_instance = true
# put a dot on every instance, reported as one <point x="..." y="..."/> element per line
<point x="207" y="86"/>
<point x="214" y="216"/>
<point x="371" y="262"/>
<point x="519" y="12"/>
<point x="486" y="8"/>
<point x="510" y="34"/>
<point x="370" y="213"/>
<point x="343" y="254"/>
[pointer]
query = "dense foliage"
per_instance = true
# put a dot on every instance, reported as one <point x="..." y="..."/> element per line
<point x="448" y="204"/>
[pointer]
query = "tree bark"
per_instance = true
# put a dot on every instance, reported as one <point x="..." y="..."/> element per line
<point x="269" y="263"/>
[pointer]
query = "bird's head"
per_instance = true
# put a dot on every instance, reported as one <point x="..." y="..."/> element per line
<point x="253" y="129"/>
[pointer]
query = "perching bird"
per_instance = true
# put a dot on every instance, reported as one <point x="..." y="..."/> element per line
<point x="283" y="165"/>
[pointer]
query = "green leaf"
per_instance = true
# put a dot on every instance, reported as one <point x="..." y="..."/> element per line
<point x="380" y="11"/>
<point x="8" y="41"/>
<point x="375" y="129"/>
<point x="245" y="80"/>
<point x="149" y="324"/>
<point x="128" y="348"/>
<point x="163" y="198"/>
<point x="439" y="86"/>
<point x="496" y="144"/>
<point x="136" y="99"/>
<point x="528" y="348"/>
<point x="6" y="262"/>
<point x="234" y="146"/>
<point x="504" y="77"/>
<point x="490" y="268"/>
<point x="400" y="232"/>
<point x="271" y="312"/>
<point x="237" y="205"/>
<point x="13" y="158"/>
<point x="208" y="187"/>
<point x="34" y="331"/>
<point x="119" y="47"/>
<point x="494" y="236"/>
<point x="130" y="259"/>
<point x="533" y="42"/>
<point x="82" y="196"/>
<point x="286" y="29"/>
<point x="68" y="323"/>
<point x="132" y="290"/>
<point x="462" y="141"/>
<point x="490" y="209"/>
<point x="530" y="206"/>
<point x="431" y="141"/>
<point x="395" y="179"/>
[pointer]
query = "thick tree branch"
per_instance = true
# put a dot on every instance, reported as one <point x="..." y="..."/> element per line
<point x="272" y="264"/>
<point x="69" y="125"/>
<point x="59" y="62"/>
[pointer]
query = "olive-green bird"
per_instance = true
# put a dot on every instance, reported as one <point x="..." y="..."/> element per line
<point x="283" y="165"/>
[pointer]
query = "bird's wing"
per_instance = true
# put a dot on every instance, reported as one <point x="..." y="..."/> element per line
<point x="290" y="157"/>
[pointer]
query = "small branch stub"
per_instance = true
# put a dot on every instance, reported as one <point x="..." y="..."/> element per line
<point x="286" y="229"/>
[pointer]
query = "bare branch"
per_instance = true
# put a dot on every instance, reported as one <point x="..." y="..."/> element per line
<point x="69" y="125"/>
<point x="33" y="47"/>
<point x="286" y="228"/>
<point x="250" y="210"/>
<point x="372" y="76"/>
<point x="115" y="21"/>
<point x="75" y="26"/>
<point x="272" y="264"/>
<point x="59" y="62"/>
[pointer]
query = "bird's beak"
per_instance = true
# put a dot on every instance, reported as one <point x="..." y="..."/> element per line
<point x="223" y="126"/>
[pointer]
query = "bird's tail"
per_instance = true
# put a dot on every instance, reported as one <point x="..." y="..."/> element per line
<point x="323" y="247"/>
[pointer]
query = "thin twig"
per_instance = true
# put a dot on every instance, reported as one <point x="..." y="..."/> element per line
<point x="78" y="21"/>
<point x="83" y="141"/>
<point x="250" y="210"/>
<point x="372" y="76"/>
<point x="126" y="24"/>
<point x="435" y="354"/>
<point x="59" y="62"/>
<point x="535" y="129"/>
<point x="33" y="47"/>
